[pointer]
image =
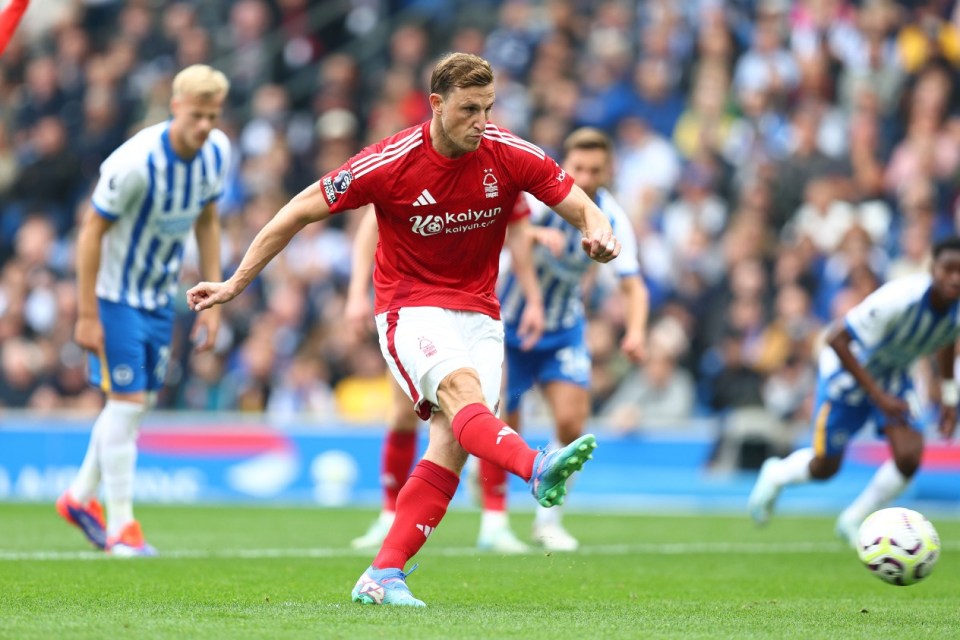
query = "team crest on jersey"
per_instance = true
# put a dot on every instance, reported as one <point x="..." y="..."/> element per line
<point x="490" y="186"/>
<point x="429" y="225"/>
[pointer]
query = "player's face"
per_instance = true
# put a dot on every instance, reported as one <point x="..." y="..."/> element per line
<point x="946" y="274"/>
<point x="194" y="118"/>
<point x="589" y="168"/>
<point x="464" y="114"/>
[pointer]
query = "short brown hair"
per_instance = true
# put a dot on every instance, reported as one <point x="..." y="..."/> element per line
<point x="460" y="70"/>
<point x="588" y="138"/>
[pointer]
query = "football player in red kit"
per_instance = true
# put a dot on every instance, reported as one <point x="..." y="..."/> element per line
<point x="442" y="192"/>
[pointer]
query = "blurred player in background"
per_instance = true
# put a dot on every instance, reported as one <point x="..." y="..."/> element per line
<point x="400" y="443"/>
<point x="155" y="188"/>
<point x="559" y="362"/>
<point x="442" y="192"/>
<point x="865" y="377"/>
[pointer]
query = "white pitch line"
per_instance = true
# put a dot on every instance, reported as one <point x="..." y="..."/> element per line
<point x="339" y="552"/>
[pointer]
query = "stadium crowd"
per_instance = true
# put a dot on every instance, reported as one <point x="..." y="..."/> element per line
<point x="779" y="160"/>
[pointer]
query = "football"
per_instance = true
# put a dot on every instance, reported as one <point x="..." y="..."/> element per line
<point x="898" y="545"/>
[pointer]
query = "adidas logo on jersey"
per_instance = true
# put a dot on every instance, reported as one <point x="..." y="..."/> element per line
<point x="424" y="199"/>
<point x="504" y="432"/>
<point x="425" y="529"/>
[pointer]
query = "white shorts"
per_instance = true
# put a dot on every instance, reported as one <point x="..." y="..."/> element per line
<point x="423" y="345"/>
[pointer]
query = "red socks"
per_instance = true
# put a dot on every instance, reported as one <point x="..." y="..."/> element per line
<point x="420" y="507"/>
<point x="489" y="438"/>
<point x="493" y="485"/>
<point x="399" y="450"/>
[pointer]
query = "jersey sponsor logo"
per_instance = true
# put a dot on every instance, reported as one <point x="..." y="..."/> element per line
<point x="427" y="225"/>
<point x="328" y="190"/>
<point x="425" y="198"/>
<point x="342" y="181"/>
<point x="461" y="222"/>
<point x="175" y="225"/>
<point x="490" y="187"/>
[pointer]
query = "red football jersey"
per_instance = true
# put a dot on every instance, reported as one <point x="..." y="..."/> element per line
<point x="442" y="220"/>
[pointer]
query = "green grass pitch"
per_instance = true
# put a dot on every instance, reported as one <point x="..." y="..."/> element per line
<point x="245" y="572"/>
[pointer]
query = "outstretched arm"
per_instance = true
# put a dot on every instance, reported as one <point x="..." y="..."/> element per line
<point x="207" y="231"/>
<point x="598" y="240"/>
<point x="946" y="360"/>
<point x="634" y="342"/>
<point x="357" y="310"/>
<point x="896" y="408"/>
<point x="307" y="206"/>
<point x="520" y="242"/>
<point x="89" y="331"/>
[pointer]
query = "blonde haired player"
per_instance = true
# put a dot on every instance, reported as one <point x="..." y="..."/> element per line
<point x="153" y="190"/>
<point x="442" y="191"/>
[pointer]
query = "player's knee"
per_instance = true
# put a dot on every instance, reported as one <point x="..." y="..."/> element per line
<point x="569" y="429"/>
<point x="824" y="468"/>
<point x="458" y="389"/>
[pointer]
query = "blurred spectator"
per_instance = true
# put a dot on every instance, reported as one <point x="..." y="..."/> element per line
<point x="660" y="393"/>
<point x="777" y="159"/>
<point x="648" y="169"/>
<point x="364" y="396"/>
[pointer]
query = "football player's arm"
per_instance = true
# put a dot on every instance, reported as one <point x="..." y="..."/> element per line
<point x="207" y="231"/>
<point x="637" y="299"/>
<point x="520" y="241"/>
<point x="89" y="332"/>
<point x="357" y="310"/>
<point x="839" y="340"/>
<point x="308" y="206"/>
<point x="598" y="240"/>
<point x="949" y="395"/>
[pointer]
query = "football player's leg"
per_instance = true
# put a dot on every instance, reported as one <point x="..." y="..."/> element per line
<point x="421" y="506"/>
<point x="78" y="505"/>
<point x="569" y="402"/>
<point x="147" y="353"/>
<point x="889" y="481"/>
<point x="495" y="532"/>
<point x="833" y="425"/>
<point x="399" y="452"/>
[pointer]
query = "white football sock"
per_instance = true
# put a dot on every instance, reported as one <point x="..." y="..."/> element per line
<point x="493" y="520"/>
<point x="887" y="483"/>
<point x="118" y="458"/>
<point x="84" y="485"/>
<point x="794" y="469"/>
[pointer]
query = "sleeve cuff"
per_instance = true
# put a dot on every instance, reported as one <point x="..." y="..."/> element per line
<point x="851" y="330"/>
<point x="104" y="213"/>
